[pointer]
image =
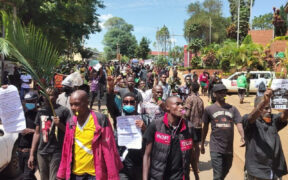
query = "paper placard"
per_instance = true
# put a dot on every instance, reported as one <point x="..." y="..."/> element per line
<point x="279" y="99"/>
<point x="129" y="135"/>
<point x="11" y="110"/>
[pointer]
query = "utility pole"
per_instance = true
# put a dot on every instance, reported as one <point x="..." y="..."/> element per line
<point x="238" y="26"/>
<point x="210" y="30"/>
<point x="251" y="23"/>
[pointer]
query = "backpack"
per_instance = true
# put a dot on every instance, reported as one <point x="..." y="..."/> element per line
<point x="262" y="87"/>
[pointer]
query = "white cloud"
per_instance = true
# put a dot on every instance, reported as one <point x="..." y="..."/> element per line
<point x="103" y="18"/>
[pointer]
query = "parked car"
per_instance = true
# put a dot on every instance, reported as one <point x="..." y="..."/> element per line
<point x="231" y="81"/>
<point x="9" y="164"/>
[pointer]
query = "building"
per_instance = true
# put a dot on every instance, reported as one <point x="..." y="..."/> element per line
<point x="265" y="37"/>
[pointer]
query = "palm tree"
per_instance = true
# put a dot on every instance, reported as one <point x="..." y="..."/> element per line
<point x="29" y="47"/>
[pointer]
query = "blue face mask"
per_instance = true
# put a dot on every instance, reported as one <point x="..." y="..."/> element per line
<point x="129" y="109"/>
<point x="30" y="106"/>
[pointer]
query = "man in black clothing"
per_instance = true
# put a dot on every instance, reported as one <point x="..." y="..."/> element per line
<point x="26" y="136"/>
<point x="264" y="158"/>
<point x="169" y="145"/>
<point x="222" y="117"/>
<point x="48" y="137"/>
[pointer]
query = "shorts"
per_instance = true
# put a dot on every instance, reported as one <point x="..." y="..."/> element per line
<point x="203" y="84"/>
<point x="197" y="135"/>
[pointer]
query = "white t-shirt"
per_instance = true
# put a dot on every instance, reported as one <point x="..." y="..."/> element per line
<point x="257" y="83"/>
<point x="25" y="78"/>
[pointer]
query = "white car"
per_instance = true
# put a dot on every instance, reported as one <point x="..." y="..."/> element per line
<point x="9" y="166"/>
<point x="231" y="81"/>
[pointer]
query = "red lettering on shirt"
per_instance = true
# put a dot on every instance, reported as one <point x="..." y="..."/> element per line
<point x="162" y="138"/>
<point x="186" y="144"/>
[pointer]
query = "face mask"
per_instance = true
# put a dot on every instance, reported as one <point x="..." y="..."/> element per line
<point x="30" y="106"/>
<point x="129" y="109"/>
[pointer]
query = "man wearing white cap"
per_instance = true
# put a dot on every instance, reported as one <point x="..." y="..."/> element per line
<point x="64" y="98"/>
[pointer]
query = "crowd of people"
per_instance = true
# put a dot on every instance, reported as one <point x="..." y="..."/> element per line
<point x="74" y="141"/>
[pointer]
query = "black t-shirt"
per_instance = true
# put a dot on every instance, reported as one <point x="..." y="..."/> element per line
<point x="25" y="141"/>
<point x="222" y="124"/>
<point x="264" y="154"/>
<point x="53" y="145"/>
<point x="174" y="167"/>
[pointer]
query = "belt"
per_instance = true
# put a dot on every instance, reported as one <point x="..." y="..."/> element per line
<point x="23" y="149"/>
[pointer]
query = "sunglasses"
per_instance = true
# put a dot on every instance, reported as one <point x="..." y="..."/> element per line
<point x="129" y="102"/>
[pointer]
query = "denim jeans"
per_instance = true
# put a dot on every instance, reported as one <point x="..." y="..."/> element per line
<point x="221" y="164"/>
<point x="48" y="165"/>
<point x="23" y="91"/>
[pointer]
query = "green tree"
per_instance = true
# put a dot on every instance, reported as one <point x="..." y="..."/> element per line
<point x="119" y="36"/>
<point x="263" y="21"/>
<point x="177" y="54"/>
<point x="161" y="61"/>
<point x="162" y="37"/>
<point x="65" y="23"/>
<point x="244" y="16"/>
<point x="198" y="25"/>
<point x="143" y="49"/>
<point x="29" y="47"/>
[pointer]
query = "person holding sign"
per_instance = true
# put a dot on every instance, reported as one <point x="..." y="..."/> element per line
<point x="169" y="145"/>
<point x="133" y="159"/>
<point x="264" y="158"/>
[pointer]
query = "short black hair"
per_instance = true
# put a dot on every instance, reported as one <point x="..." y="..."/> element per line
<point x="195" y="87"/>
<point x="129" y="94"/>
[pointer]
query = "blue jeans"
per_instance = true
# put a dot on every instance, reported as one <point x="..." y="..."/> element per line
<point x="221" y="164"/>
<point x="23" y="91"/>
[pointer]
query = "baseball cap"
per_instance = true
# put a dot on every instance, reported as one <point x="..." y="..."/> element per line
<point x="68" y="83"/>
<point x="31" y="95"/>
<point x="219" y="87"/>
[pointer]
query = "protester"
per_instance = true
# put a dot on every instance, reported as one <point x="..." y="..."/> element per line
<point x="203" y="79"/>
<point x="64" y="98"/>
<point x="26" y="136"/>
<point x="194" y="108"/>
<point x="95" y="88"/>
<point x="214" y="80"/>
<point x="165" y="86"/>
<point x="131" y="88"/>
<point x="89" y="143"/>
<point x="186" y="89"/>
<point x="146" y="93"/>
<point x="222" y="117"/>
<point x="150" y="78"/>
<point x="174" y="81"/>
<point x="248" y="77"/>
<point x="242" y="86"/>
<point x="26" y="80"/>
<point x="49" y="133"/>
<point x="261" y="85"/>
<point x="143" y="73"/>
<point x="133" y="160"/>
<point x="264" y="158"/>
<point x="154" y="107"/>
<point x="169" y="143"/>
<point x="194" y="78"/>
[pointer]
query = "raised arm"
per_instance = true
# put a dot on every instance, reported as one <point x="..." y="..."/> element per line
<point x="256" y="112"/>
